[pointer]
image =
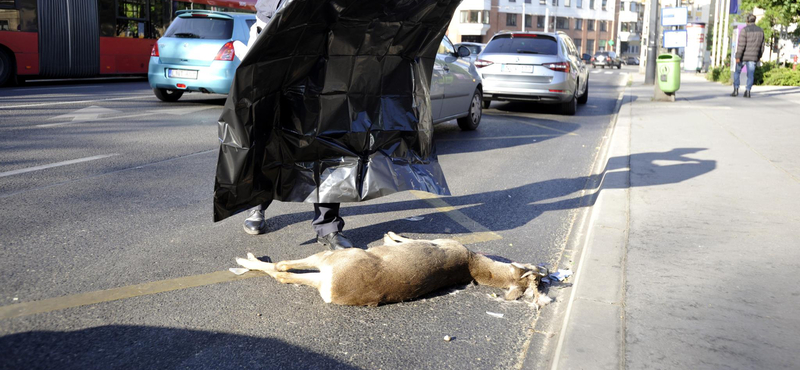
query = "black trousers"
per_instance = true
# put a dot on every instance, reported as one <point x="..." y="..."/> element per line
<point x="326" y="217"/>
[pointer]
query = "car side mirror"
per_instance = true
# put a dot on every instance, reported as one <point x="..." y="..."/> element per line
<point x="463" y="51"/>
<point x="586" y="58"/>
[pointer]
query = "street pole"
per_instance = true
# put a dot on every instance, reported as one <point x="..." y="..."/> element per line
<point x="523" y="16"/>
<point x="652" y="35"/>
<point x="725" y="40"/>
<point x="715" y="41"/>
<point x="546" y="18"/>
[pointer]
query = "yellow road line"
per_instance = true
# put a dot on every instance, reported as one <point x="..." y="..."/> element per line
<point x="100" y="296"/>
<point x="479" y="234"/>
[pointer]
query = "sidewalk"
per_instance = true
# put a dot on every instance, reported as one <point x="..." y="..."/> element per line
<point x="692" y="244"/>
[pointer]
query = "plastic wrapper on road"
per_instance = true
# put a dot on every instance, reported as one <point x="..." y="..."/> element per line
<point x="332" y="104"/>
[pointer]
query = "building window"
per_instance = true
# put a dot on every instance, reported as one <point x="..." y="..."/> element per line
<point x="512" y="1"/>
<point x="542" y="2"/>
<point x="540" y="21"/>
<point x="579" y="24"/>
<point x="604" y="4"/>
<point x="555" y="2"/>
<point x="562" y="23"/>
<point x="634" y="7"/>
<point x="591" y="4"/>
<point x="527" y="1"/>
<point x="578" y="45"/>
<point x="622" y="5"/>
<point x="528" y="20"/>
<point x="511" y="19"/>
<point x="566" y="3"/>
<point x="590" y="24"/>
<point x="601" y="45"/>
<point x="603" y="26"/>
<point x="579" y="3"/>
<point x="590" y="46"/>
<point x="475" y="16"/>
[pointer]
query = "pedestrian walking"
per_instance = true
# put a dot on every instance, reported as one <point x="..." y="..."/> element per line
<point x="331" y="105"/>
<point x="327" y="223"/>
<point x="749" y="49"/>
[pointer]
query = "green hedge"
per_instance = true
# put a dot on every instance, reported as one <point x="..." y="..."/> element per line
<point x="769" y="73"/>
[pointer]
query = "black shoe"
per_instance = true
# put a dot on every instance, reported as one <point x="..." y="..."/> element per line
<point x="335" y="241"/>
<point x="747" y="93"/>
<point x="735" y="92"/>
<point x="255" y="223"/>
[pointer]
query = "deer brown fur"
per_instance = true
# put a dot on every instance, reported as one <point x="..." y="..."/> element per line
<point x="399" y="270"/>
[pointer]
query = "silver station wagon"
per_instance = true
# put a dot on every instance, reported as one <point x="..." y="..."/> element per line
<point x="534" y="67"/>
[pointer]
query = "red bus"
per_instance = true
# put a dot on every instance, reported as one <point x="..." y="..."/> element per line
<point x="87" y="38"/>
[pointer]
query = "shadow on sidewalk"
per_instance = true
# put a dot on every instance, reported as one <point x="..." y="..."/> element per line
<point x="511" y="208"/>
<point x="144" y="347"/>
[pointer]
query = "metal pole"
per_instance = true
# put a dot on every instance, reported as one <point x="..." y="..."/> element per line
<point x="546" y="19"/>
<point x="523" y="16"/>
<point x="715" y="42"/>
<point x="650" y="73"/>
<point x="725" y="40"/>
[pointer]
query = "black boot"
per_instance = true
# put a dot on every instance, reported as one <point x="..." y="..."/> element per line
<point x="335" y="241"/>
<point x="747" y="93"/>
<point x="735" y="92"/>
<point x="255" y="223"/>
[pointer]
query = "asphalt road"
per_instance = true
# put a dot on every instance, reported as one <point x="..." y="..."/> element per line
<point x="109" y="257"/>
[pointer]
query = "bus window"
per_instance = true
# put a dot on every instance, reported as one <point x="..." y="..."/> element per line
<point x="131" y="18"/>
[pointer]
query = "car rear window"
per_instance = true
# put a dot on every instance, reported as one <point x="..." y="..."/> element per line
<point x="523" y="44"/>
<point x="201" y="28"/>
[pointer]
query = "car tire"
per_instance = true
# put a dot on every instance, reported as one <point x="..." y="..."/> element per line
<point x="6" y="69"/>
<point x="167" y="94"/>
<point x="570" y="108"/>
<point x="486" y="104"/>
<point x="594" y="66"/>
<point x="619" y="66"/>
<point x="473" y="118"/>
<point x="585" y="97"/>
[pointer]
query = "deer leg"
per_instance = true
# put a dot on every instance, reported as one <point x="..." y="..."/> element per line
<point x="312" y="279"/>
<point x="310" y="262"/>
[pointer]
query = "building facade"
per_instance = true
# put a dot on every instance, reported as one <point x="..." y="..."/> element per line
<point x="590" y="23"/>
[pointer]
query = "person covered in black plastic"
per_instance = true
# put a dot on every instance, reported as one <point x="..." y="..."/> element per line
<point x="331" y="104"/>
<point x="326" y="223"/>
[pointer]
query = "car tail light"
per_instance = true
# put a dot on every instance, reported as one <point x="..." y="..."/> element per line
<point x="199" y="15"/>
<point x="181" y="86"/>
<point x="154" y="51"/>
<point x="560" y="67"/>
<point x="226" y="52"/>
<point x="480" y="63"/>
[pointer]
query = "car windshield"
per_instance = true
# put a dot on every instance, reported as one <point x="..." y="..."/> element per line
<point x="523" y="44"/>
<point x="201" y="28"/>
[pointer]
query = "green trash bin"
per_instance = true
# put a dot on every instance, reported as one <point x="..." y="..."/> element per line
<point x="668" y="70"/>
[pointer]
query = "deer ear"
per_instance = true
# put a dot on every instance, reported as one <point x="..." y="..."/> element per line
<point x="514" y="293"/>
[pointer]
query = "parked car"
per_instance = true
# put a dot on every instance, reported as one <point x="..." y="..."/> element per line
<point x="456" y="87"/>
<point x="606" y="58"/>
<point x="196" y="53"/>
<point x="534" y="67"/>
<point x="474" y="48"/>
<point x="632" y="61"/>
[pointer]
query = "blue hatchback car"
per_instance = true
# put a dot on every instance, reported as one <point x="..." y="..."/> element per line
<point x="197" y="53"/>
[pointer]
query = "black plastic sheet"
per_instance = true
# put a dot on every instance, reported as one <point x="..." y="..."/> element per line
<point x="332" y="104"/>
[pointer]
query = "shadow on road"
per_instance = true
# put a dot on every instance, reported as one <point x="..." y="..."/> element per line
<point x="143" y="347"/>
<point x="511" y="208"/>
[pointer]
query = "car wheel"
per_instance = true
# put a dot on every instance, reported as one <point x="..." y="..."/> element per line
<point x="167" y="94"/>
<point x="486" y="104"/>
<point x="585" y="97"/>
<point x="473" y="118"/>
<point x="619" y="66"/>
<point x="594" y="66"/>
<point x="6" y="68"/>
<point x="569" y="108"/>
<point x="604" y="67"/>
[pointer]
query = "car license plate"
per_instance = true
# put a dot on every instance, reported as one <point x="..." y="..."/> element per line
<point x="182" y="73"/>
<point x="516" y="68"/>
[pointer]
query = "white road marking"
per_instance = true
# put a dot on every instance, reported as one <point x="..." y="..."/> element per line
<point x="55" y="88"/>
<point x="174" y="111"/>
<point x="86" y="114"/>
<point x="608" y="73"/>
<point x="58" y="164"/>
<point x="595" y="72"/>
<point x="74" y="102"/>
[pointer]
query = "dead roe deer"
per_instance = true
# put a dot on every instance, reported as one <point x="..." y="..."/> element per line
<point x="399" y="270"/>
